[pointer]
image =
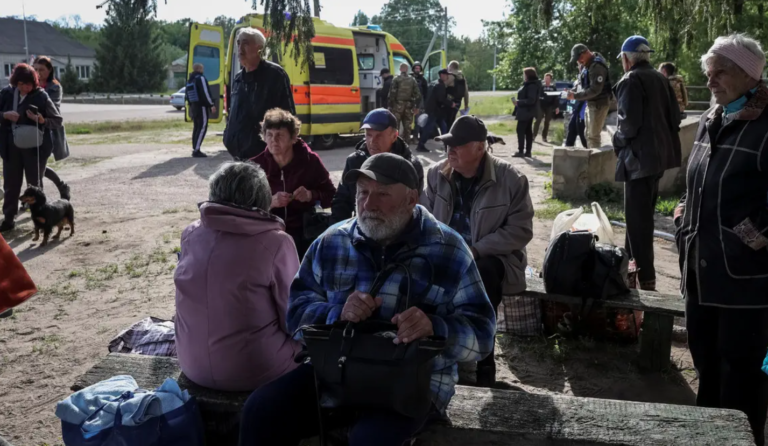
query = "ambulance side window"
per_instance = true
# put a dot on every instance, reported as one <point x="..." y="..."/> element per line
<point x="332" y="66"/>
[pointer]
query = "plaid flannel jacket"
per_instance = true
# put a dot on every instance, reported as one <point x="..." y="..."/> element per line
<point x="340" y="262"/>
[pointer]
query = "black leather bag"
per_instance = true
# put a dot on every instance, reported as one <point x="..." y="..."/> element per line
<point x="576" y="265"/>
<point x="315" y="223"/>
<point x="358" y="365"/>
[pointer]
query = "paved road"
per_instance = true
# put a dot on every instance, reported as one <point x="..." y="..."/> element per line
<point x="102" y="112"/>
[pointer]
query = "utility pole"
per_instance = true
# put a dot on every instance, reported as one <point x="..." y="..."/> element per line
<point x="26" y="42"/>
<point x="445" y="32"/>
<point x="317" y="8"/>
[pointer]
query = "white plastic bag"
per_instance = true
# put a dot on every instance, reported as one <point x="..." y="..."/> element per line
<point x="421" y="121"/>
<point x="576" y="220"/>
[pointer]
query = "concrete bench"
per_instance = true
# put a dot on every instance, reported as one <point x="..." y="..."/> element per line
<point x="660" y="311"/>
<point x="482" y="416"/>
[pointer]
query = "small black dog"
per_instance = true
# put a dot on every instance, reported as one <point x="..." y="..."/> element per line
<point x="46" y="216"/>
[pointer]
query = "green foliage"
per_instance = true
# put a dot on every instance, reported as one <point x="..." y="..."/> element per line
<point x="130" y="58"/>
<point x="489" y="105"/>
<point x="227" y="23"/>
<point x="666" y="206"/>
<point x="360" y="19"/>
<point x="413" y="23"/>
<point x="86" y="33"/>
<point x="605" y="193"/>
<point x="289" y="20"/>
<point x="70" y="81"/>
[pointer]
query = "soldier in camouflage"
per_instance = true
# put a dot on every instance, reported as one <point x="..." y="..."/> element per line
<point x="596" y="90"/>
<point x="404" y="100"/>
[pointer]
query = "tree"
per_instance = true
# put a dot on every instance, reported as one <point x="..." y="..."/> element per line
<point x="86" y="33"/>
<point x="360" y="19"/>
<point x="130" y="58"/>
<point x="289" y="21"/>
<point x="70" y="81"/>
<point x="412" y="22"/>
<point x="228" y="24"/>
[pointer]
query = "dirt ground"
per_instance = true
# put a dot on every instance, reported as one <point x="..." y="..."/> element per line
<point x="132" y="202"/>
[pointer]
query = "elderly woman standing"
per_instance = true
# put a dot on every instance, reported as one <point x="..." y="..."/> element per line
<point x="235" y="269"/>
<point x="26" y="111"/>
<point x="297" y="176"/>
<point x="722" y="234"/>
<point x="48" y="82"/>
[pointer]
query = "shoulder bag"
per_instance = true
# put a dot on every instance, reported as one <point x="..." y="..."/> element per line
<point x="25" y="136"/>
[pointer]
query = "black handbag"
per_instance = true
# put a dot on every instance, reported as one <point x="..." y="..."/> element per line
<point x="315" y="223"/>
<point x="357" y="365"/>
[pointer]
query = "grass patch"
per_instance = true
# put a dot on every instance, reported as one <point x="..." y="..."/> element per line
<point x="503" y="128"/>
<point x="492" y="105"/>
<point x="540" y="153"/>
<point x="66" y="291"/>
<point x="554" y="206"/>
<point x="556" y="134"/>
<point x="47" y="344"/>
<point x="171" y="211"/>
<point x="666" y="206"/>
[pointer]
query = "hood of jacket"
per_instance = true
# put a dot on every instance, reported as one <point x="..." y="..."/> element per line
<point x="398" y="148"/>
<point x="237" y="220"/>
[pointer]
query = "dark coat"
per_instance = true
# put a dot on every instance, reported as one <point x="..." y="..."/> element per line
<point x="305" y="169"/>
<point x="382" y="94"/>
<point x="423" y="88"/>
<point x="59" y="136"/>
<point x="45" y="107"/>
<point x="251" y="96"/>
<point x="723" y="233"/>
<point x="646" y="141"/>
<point x="529" y="100"/>
<point x="344" y="201"/>
<point x="438" y="103"/>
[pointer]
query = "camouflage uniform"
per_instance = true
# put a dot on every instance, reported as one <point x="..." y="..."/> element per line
<point x="680" y="92"/>
<point x="404" y="96"/>
<point x="596" y="91"/>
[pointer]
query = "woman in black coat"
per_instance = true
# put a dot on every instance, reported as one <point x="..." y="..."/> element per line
<point x="48" y="82"/>
<point x="20" y="162"/>
<point x="527" y="107"/>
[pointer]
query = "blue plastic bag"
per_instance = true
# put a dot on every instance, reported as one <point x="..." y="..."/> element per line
<point x="181" y="426"/>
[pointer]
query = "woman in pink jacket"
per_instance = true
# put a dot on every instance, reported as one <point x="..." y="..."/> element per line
<point x="235" y="270"/>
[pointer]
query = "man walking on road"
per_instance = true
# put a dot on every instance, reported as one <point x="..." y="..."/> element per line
<point x="404" y="100"/>
<point x="596" y="90"/>
<point x="259" y="87"/>
<point x="646" y="143"/>
<point x="201" y="103"/>
<point x="418" y="74"/>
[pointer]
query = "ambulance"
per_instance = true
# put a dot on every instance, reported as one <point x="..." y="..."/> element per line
<point x="333" y="94"/>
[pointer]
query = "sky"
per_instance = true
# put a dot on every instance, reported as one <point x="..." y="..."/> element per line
<point x="339" y="12"/>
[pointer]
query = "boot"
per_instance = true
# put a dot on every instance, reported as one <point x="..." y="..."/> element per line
<point x="486" y="375"/>
<point x="648" y="285"/>
<point x="7" y="225"/>
<point x="528" y="154"/>
<point x="518" y="155"/>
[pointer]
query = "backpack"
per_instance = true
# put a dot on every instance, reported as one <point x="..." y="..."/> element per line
<point x="576" y="265"/>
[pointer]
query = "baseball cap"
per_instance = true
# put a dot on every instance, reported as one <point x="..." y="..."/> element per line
<point x="577" y="51"/>
<point x="630" y="45"/>
<point x="465" y="130"/>
<point x="386" y="168"/>
<point x="443" y="71"/>
<point x="379" y="119"/>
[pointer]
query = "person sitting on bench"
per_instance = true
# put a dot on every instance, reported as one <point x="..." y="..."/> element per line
<point x="235" y="269"/>
<point x="486" y="201"/>
<point x="332" y="284"/>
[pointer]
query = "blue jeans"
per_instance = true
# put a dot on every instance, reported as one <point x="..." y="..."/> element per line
<point x="429" y="129"/>
<point x="285" y="411"/>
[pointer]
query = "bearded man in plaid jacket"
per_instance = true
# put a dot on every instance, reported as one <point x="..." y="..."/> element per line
<point x="446" y="298"/>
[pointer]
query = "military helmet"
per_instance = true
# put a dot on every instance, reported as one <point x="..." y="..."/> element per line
<point x="417" y="63"/>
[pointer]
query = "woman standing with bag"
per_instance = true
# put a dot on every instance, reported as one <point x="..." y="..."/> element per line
<point x="527" y="107"/>
<point x="27" y="112"/>
<point x="48" y="82"/>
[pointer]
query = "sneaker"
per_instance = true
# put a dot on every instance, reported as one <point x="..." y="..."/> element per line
<point x="422" y="149"/>
<point x="518" y="155"/>
<point x="486" y="376"/>
<point x="64" y="191"/>
<point x="7" y="225"/>
<point x="199" y="154"/>
<point x="528" y="155"/>
<point x="649" y="285"/>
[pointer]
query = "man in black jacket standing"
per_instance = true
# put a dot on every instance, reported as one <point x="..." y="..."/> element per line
<point x="646" y="143"/>
<point x="381" y="136"/>
<point x="200" y="105"/>
<point x="259" y="87"/>
<point x="382" y="94"/>
<point x="549" y="107"/>
<point x="437" y="106"/>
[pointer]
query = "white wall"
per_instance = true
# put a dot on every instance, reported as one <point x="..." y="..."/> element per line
<point x="58" y="61"/>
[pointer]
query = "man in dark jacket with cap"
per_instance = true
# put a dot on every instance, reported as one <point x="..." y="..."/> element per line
<point x="485" y="200"/>
<point x="646" y="143"/>
<point x="382" y="94"/>
<point x="437" y="107"/>
<point x="381" y="136"/>
<point x="596" y="90"/>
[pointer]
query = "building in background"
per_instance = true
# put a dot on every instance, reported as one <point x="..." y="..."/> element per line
<point x="43" y="40"/>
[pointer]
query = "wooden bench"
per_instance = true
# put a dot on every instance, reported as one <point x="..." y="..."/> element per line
<point x="656" y="334"/>
<point x="482" y="416"/>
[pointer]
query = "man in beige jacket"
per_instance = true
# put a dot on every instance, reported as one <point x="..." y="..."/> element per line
<point x="485" y="200"/>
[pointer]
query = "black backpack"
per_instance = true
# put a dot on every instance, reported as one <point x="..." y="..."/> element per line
<point x="576" y="265"/>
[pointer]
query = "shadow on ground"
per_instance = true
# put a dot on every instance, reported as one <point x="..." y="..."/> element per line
<point x="586" y="368"/>
<point x="203" y="167"/>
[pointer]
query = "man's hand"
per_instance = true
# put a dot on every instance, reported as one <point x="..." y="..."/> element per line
<point x="11" y="116"/>
<point x="415" y="111"/>
<point x="35" y="117"/>
<point x="679" y="211"/>
<point x="359" y="307"/>
<point x="302" y="194"/>
<point x="280" y="200"/>
<point x="412" y="325"/>
<point x="570" y="95"/>
<point x="213" y="110"/>
<point x="557" y="111"/>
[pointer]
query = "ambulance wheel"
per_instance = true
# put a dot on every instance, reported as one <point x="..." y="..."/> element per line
<point x="323" y="142"/>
